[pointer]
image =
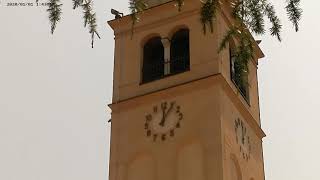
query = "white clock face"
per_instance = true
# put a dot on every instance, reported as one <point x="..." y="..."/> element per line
<point x="163" y="121"/>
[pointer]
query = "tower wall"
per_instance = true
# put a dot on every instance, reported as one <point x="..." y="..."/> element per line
<point x="194" y="153"/>
<point x="207" y="145"/>
<point x="247" y="157"/>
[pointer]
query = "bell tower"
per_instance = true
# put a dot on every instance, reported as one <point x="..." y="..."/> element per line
<point x="178" y="112"/>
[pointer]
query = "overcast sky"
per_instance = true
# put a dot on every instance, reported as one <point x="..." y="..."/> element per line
<point x="54" y="92"/>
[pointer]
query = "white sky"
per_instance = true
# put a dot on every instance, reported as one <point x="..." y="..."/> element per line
<point x="54" y="91"/>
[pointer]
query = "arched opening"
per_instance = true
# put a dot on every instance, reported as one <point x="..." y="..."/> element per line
<point x="232" y="55"/>
<point x="180" y="52"/>
<point x="153" y="60"/>
<point x="141" y="168"/>
<point x="238" y="76"/>
<point x="190" y="162"/>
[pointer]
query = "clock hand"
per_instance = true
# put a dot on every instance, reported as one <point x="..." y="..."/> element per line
<point x="163" y="116"/>
<point x="170" y="109"/>
<point x="162" y="123"/>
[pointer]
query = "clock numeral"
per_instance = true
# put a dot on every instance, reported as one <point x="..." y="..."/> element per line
<point x="180" y="116"/>
<point x="243" y="139"/>
<point x="178" y="109"/>
<point x="237" y="123"/>
<point x="163" y="137"/>
<point x="146" y="126"/>
<point x="164" y="105"/>
<point x="155" y="136"/>
<point x="172" y="103"/>
<point x="149" y="117"/>
<point x="178" y="125"/>
<point x="155" y="109"/>
<point x="149" y="133"/>
<point x="172" y="133"/>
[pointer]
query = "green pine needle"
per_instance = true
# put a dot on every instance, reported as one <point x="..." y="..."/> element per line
<point x="248" y="17"/>
<point x="89" y="16"/>
<point x="294" y="12"/>
<point x="255" y="21"/>
<point x="242" y="53"/>
<point x="274" y="20"/>
<point x="136" y="6"/>
<point x="226" y="39"/>
<point x="90" y="20"/>
<point x="208" y="14"/>
<point x="179" y="4"/>
<point x="55" y="12"/>
<point x="77" y="3"/>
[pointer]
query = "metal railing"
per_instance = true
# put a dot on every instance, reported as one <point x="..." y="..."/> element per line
<point x="243" y="88"/>
<point x="159" y="69"/>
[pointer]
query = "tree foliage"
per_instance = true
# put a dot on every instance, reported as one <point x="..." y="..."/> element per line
<point x="208" y="14"/>
<point x="249" y="18"/>
<point x="55" y="12"/>
<point x="294" y="12"/>
<point x="136" y="6"/>
<point x="90" y="21"/>
<point x="249" y="14"/>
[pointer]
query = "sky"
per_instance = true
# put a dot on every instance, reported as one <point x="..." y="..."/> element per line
<point x="54" y="91"/>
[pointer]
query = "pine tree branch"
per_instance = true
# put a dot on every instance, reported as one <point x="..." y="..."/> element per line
<point x="236" y="6"/>
<point x="136" y="6"/>
<point x="274" y="20"/>
<point x="294" y="12"/>
<point x="256" y="22"/>
<point x="226" y="39"/>
<point x="55" y="12"/>
<point x="77" y="3"/>
<point x="208" y="14"/>
<point x="90" y="19"/>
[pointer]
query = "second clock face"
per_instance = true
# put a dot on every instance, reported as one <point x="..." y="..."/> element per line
<point x="243" y="139"/>
<point x="163" y="121"/>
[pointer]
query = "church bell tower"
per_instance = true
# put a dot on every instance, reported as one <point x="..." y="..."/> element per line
<point x="178" y="112"/>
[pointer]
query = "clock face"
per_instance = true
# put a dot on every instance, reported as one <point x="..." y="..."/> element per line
<point x="243" y="139"/>
<point x="163" y="121"/>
